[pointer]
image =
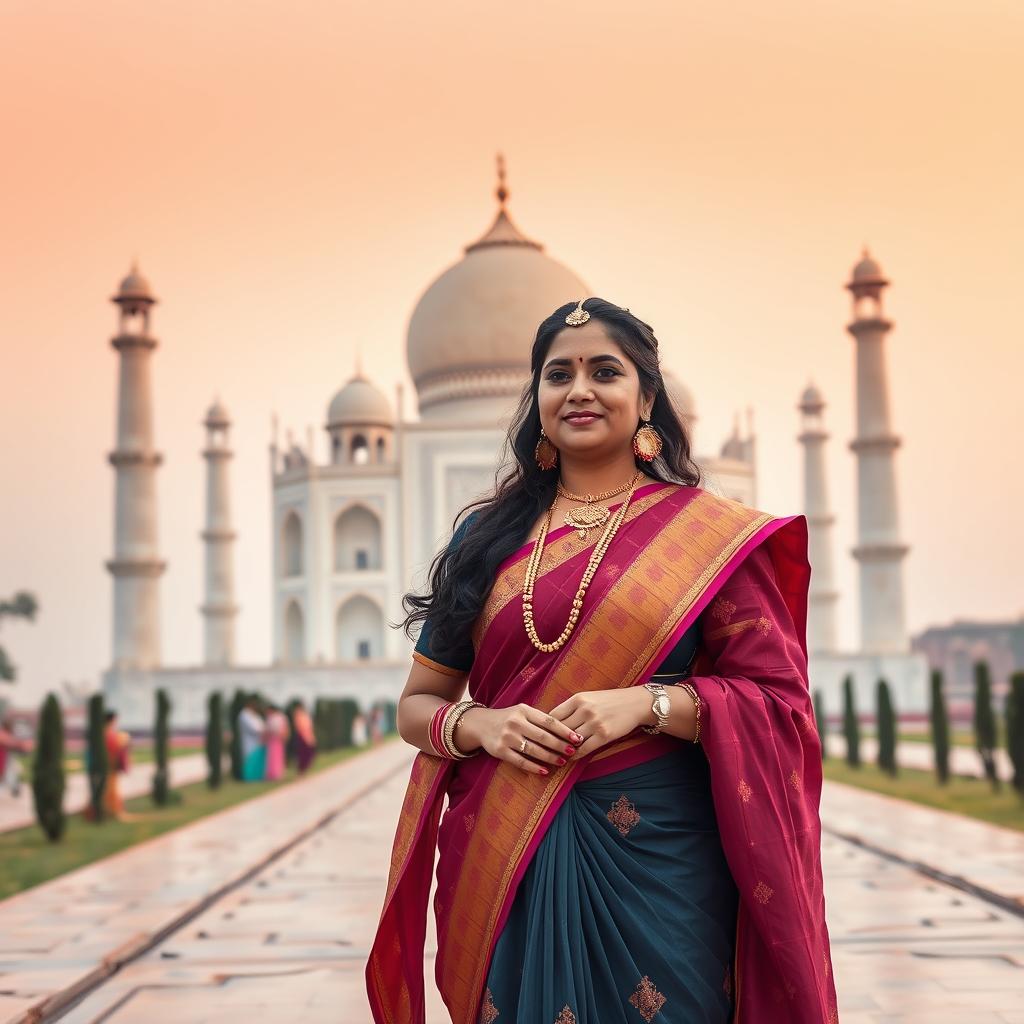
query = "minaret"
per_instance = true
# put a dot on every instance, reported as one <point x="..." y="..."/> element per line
<point x="821" y="613"/>
<point x="136" y="565"/>
<point x="879" y="551"/>
<point x="219" y="608"/>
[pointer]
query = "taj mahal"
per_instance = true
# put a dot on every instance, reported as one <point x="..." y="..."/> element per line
<point x="351" y="535"/>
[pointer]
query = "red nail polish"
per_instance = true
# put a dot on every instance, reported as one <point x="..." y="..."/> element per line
<point x="576" y="738"/>
<point x="561" y="760"/>
<point x="544" y="771"/>
<point x="570" y="750"/>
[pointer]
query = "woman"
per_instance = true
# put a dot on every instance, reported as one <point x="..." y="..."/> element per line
<point x="304" y="737"/>
<point x="252" y="730"/>
<point x="277" y="732"/>
<point x="616" y="847"/>
<point x="118" y="744"/>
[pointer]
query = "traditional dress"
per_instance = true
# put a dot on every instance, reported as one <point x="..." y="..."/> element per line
<point x="117" y="762"/>
<point x="254" y="751"/>
<point x="304" y="739"/>
<point x="277" y="735"/>
<point x="651" y="880"/>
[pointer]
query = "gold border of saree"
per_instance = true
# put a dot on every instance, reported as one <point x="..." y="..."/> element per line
<point x="611" y="649"/>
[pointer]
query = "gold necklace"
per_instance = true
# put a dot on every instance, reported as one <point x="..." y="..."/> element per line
<point x="589" y="516"/>
<point x="596" y="555"/>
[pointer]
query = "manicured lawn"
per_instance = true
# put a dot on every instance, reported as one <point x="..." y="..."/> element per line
<point x="28" y="858"/>
<point x="973" y="797"/>
<point x="958" y="739"/>
<point x="76" y="762"/>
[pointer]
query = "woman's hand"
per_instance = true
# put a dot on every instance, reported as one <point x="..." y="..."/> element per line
<point x="501" y="731"/>
<point x="603" y="716"/>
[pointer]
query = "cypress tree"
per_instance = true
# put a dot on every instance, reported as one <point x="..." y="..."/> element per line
<point x="96" y="757"/>
<point x="237" y="703"/>
<point x="214" y="740"/>
<point x="161" y="783"/>
<point x="48" y="770"/>
<point x="940" y="728"/>
<point x="851" y="726"/>
<point x="985" y="723"/>
<point x="886" y="729"/>
<point x="819" y="720"/>
<point x="1015" y="729"/>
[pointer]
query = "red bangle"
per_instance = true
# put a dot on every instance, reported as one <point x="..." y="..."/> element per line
<point x="436" y="724"/>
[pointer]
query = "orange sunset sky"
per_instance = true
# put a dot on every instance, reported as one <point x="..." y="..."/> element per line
<point x="292" y="176"/>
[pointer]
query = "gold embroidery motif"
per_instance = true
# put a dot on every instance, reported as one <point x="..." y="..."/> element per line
<point x="763" y="893"/>
<point x="722" y="609"/>
<point x="828" y="966"/>
<point x="732" y="629"/>
<point x="833" y="1016"/>
<point x="744" y="791"/>
<point x="488" y="1012"/>
<point x="647" y="999"/>
<point x="469" y="821"/>
<point x="566" y="1016"/>
<point x="764" y="625"/>
<point x="794" y="779"/>
<point x="623" y="816"/>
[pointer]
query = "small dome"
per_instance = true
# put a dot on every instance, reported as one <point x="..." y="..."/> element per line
<point x="361" y="403"/>
<point x="217" y="415"/>
<point x="811" y="398"/>
<point x="135" y="286"/>
<point x="868" y="271"/>
<point x="681" y="396"/>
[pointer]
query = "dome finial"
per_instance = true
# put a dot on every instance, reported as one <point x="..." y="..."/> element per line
<point x="502" y="190"/>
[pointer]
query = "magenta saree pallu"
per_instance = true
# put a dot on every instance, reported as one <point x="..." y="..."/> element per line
<point x="678" y="551"/>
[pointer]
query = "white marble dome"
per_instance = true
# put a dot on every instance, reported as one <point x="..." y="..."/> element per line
<point x="360" y="402"/>
<point x="811" y="398"/>
<point x="471" y="332"/>
<point x="868" y="270"/>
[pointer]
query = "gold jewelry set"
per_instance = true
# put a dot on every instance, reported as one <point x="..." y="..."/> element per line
<point x="533" y="566"/>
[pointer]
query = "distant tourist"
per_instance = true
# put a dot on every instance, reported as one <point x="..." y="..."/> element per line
<point x="305" y="737"/>
<point x="276" y="732"/>
<point x="254" y="750"/>
<point x="118" y="744"/>
<point x="10" y="767"/>
<point x="359" y="730"/>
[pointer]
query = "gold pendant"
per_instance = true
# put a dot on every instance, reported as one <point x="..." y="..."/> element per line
<point x="586" y="518"/>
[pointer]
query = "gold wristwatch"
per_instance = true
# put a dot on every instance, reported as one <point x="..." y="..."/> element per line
<point x="661" y="706"/>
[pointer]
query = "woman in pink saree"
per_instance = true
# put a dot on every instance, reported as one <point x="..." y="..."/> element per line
<point x="631" y="831"/>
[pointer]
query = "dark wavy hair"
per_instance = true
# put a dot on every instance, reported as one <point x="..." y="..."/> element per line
<point x="461" y="577"/>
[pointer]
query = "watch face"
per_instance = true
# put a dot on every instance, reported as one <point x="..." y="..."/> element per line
<point x="662" y="705"/>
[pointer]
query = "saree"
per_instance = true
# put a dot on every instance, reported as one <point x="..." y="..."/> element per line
<point x="679" y="552"/>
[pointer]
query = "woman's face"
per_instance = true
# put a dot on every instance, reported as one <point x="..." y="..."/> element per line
<point x="589" y="393"/>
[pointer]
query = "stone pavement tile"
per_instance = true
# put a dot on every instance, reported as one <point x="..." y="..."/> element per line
<point x="167" y="877"/>
<point x="985" y="855"/>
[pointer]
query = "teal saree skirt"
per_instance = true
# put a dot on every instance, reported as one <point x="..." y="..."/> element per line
<point x="627" y="912"/>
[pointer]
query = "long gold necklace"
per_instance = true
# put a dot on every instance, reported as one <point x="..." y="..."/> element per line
<point x="533" y="565"/>
<point x="590" y="515"/>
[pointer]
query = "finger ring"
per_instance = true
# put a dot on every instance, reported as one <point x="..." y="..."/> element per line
<point x="522" y="747"/>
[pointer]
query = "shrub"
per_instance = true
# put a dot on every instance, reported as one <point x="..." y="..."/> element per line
<point x="48" y="770"/>
<point x="940" y="728"/>
<point x="215" y="740"/>
<point x="985" y="738"/>
<point x="96" y="757"/>
<point x="886" y="729"/>
<point x="851" y="726"/>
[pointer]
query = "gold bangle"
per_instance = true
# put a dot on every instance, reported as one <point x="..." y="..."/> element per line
<point x="688" y="687"/>
<point x="451" y="723"/>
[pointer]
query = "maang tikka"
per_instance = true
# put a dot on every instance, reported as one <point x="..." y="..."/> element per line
<point x="578" y="316"/>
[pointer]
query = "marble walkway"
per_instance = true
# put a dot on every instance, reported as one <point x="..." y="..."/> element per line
<point x="289" y="942"/>
<point x="18" y="811"/>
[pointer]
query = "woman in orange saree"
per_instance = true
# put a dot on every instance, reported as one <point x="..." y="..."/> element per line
<point x="696" y="893"/>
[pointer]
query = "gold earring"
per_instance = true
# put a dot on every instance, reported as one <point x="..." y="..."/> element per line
<point x="545" y="453"/>
<point x="647" y="443"/>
